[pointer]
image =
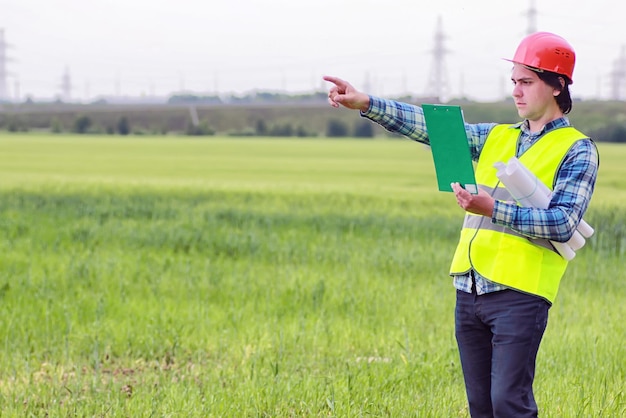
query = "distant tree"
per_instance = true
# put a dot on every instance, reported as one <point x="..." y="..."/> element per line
<point x="82" y="124"/>
<point x="302" y="132"/>
<point x="242" y="132"/>
<point x="363" y="129"/>
<point x="192" y="98"/>
<point x="191" y="129"/>
<point x="123" y="126"/>
<point x="267" y="97"/>
<point x="56" y="126"/>
<point x="619" y="134"/>
<point x="609" y="133"/>
<point x="16" y="125"/>
<point x="285" y="129"/>
<point x="336" y="128"/>
<point x="200" y="129"/>
<point x="96" y="128"/>
<point x="261" y="127"/>
<point x="206" y="128"/>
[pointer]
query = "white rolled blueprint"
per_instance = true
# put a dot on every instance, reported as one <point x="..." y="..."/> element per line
<point x="528" y="191"/>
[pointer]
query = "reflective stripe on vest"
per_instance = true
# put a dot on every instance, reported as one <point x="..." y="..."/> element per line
<point x="499" y="253"/>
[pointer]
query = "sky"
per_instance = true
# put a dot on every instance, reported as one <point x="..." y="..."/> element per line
<point x="223" y="47"/>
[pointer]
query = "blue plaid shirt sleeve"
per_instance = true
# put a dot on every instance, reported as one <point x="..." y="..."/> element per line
<point x="401" y="118"/>
<point x="574" y="186"/>
<point x="408" y="120"/>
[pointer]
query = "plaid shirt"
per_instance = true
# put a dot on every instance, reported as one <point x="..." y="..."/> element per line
<point x="572" y="192"/>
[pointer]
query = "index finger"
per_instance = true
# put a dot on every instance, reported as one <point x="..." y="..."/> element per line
<point x="335" y="80"/>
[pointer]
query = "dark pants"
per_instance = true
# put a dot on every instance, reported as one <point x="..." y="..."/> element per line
<point x="498" y="336"/>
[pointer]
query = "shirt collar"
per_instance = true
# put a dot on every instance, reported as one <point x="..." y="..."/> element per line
<point x="550" y="126"/>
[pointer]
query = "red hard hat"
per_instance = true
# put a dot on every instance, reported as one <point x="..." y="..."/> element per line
<point x="546" y="51"/>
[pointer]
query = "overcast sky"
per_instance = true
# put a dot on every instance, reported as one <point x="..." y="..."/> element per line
<point x="156" y="47"/>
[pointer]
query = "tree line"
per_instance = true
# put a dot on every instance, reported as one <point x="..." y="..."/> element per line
<point x="84" y="124"/>
<point x="603" y="121"/>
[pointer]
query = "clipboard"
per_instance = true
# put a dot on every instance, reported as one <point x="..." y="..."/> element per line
<point x="448" y="142"/>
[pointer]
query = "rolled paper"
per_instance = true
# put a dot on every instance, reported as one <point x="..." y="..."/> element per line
<point x="585" y="229"/>
<point x="577" y="241"/>
<point x="564" y="250"/>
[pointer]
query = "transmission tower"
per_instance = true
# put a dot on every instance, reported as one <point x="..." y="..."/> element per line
<point x="531" y="14"/>
<point x="438" y="80"/>
<point x="4" y="91"/>
<point x="618" y="77"/>
<point x="66" y="86"/>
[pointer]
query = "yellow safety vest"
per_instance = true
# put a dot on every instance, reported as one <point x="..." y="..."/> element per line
<point x="498" y="253"/>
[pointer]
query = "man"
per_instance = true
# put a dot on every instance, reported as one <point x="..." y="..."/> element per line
<point x="505" y="272"/>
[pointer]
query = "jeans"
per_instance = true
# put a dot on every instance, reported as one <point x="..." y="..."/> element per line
<point x="498" y="335"/>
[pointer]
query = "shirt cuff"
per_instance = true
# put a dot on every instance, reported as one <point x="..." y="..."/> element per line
<point x="503" y="213"/>
<point x="376" y="109"/>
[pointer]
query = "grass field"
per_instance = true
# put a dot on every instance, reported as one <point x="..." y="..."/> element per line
<point x="220" y="277"/>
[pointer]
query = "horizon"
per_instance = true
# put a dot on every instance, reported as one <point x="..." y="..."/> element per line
<point x="154" y="49"/>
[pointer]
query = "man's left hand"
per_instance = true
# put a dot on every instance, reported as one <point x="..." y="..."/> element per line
<point x="480" y="204"/>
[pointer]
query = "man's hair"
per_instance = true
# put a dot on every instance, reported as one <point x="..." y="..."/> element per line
<point x="564" y="99"/>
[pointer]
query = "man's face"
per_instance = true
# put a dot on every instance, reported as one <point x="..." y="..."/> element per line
<point x="533" y="98"/>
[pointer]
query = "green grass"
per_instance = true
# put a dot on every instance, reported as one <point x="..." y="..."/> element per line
<point x="264" y="277"/>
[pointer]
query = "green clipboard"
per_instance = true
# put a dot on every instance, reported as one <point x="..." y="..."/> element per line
<point x="448" y="142"/>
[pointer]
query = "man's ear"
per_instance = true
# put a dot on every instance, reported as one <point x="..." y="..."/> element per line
<point x="556" y="92"/>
